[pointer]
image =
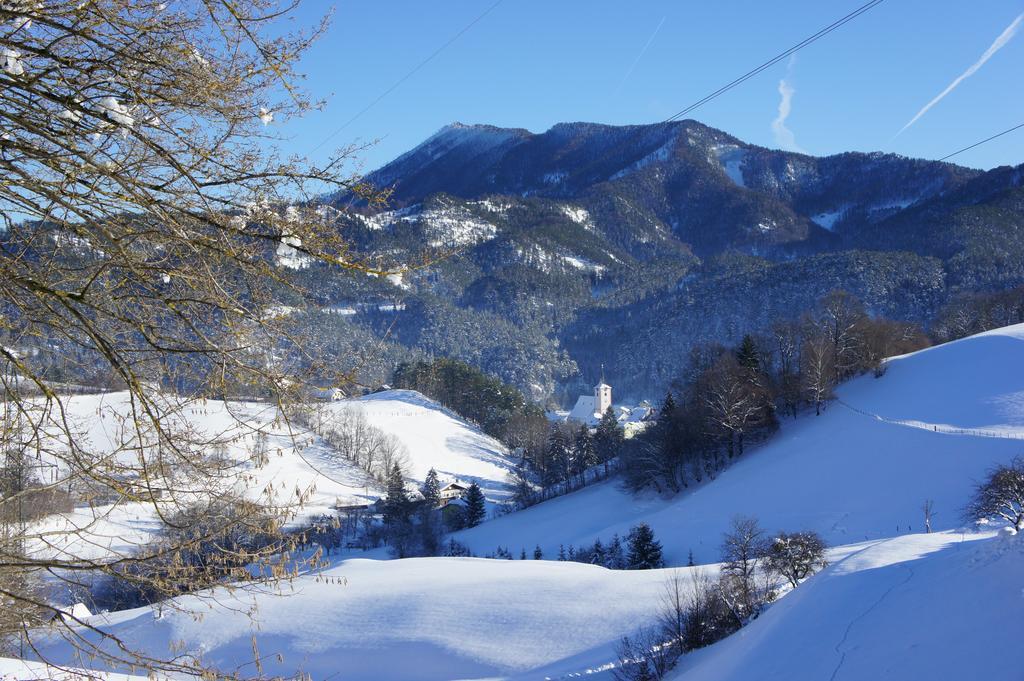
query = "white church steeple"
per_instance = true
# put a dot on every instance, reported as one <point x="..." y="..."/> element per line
<point x="602" y="396"/>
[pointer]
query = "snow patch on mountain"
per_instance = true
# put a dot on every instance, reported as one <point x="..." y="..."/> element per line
<point x="578" y="215"/>
<point x="730" y="157"/>
<point x="829" y="219"/>
<point x="662" y="153"/>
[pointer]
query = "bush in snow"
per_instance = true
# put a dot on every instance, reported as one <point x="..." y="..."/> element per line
<point x="795" y="556"/>
<point x="1001" y="495"/>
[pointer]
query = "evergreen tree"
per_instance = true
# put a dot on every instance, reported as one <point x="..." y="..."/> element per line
<point x="748" y="354"/>
<point x="644" y="549"/>
<point x="583" y="454"/>
<point x="559" y="456"/>
<point x="597" y="553"/>
<point x="396" y="503"/>
<point x="689" y="559"/>
<point x="475" y="508"/>
<point x="615" y="558"/>
<point x="522" y="554"/>
<point x="431" y="489"/>
<point x="561" y="552"/>
<point x="537" y="553"/>
<point x="608" y="439"/>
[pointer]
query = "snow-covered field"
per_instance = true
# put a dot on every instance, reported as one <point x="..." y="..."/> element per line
<point x="894" y="603"/>
<point x="431" y="435"/>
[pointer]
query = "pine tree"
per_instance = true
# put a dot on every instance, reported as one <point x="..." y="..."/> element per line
<point x="644" y="549"/>
<point x="583" y="455"/>
<point x="475" y="508"/>
<point x="537" y="553"/>
<point x="561" y="552"/>
<point x="608" y="439"/>
<point x="431" y="489"/>
<point x="558" y="456"/>
<point x="597" y="553"/>
<point x="615" y="559"/>
<point x="748" y="354"/>
<point x="522" y="554"/>
<point x="689" y="559"/>
<point x="396" y="503"/>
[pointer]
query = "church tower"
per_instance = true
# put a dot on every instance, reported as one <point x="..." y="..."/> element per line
<point x="602" y="396"/>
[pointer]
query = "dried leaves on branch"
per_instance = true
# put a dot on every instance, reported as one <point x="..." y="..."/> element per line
<point x="149" y="232"/>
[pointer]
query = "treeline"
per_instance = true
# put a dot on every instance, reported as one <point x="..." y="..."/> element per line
<point x="639" y="551"/>
<point x="559" y="457"/>
<point x="729" y="397"/>
<point x="974" y="313"/>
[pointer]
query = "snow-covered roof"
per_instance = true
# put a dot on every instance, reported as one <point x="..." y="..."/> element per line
<point x="585" y="409"/>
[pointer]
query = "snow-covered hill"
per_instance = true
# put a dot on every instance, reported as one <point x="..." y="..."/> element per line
<point x="894" y="604"/>
<point x="432" y="437"/>
<point x="847" y="474"/>
<point x="930" y="606"/>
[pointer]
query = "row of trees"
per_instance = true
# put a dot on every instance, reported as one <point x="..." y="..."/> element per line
<point x="698" y="610"/>
<point x="351" y="435"/>
<point x="565" y="456"/>
<point x="973" y="313"/>
<point x="729" y="397"/>
<point x="415" y="524"/>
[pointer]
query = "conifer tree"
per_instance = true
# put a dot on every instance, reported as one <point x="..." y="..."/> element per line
<point x="644" y="549"/>
<point x="608" y="439"/>
<point x="748" y="355"/>
<point x="615" y="559"/>
<point x="537" y="553"/>
<point x="396" y="503"/>
<point x="431" y="489"/>
<point x="475" y="508"/>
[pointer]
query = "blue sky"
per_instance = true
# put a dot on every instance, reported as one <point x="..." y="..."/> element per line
<point x="533" y="63"/>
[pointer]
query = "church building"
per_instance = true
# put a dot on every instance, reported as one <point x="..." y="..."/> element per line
<point x="590" y="408"/>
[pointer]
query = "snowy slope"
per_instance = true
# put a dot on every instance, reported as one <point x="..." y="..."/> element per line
<point x="928" y="606"/>
<point x="423" y="618"/>
<point x="437" y="438"/>
<point x="939" y="606"/>
<point x="846" y="474"/>
<point x="432" y="436"/>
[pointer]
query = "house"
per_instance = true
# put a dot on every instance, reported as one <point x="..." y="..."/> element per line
<point x="328" y="394"/>
<point x="452" y="492"/>
<point x="590" y="408"/>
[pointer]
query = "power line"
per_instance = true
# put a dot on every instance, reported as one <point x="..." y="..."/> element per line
<point x="409" y="74"/>
<point x="987" y="139"/>
<point x="776" y="59"/>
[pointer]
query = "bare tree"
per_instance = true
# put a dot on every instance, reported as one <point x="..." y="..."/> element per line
<point x="149" y="234"/>
<point x="817" y="365"/>
<point x="1001" y="495"/>
<point x="743" y="549"/>
<point x="929" y="512"/>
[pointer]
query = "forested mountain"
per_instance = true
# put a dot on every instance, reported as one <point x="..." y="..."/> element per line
<point x="624" y="246"/>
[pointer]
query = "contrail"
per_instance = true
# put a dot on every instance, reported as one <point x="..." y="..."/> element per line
<point x="1000" y="42"/>
<point x="640" y="56"/>
<point x="784" y="137"/>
